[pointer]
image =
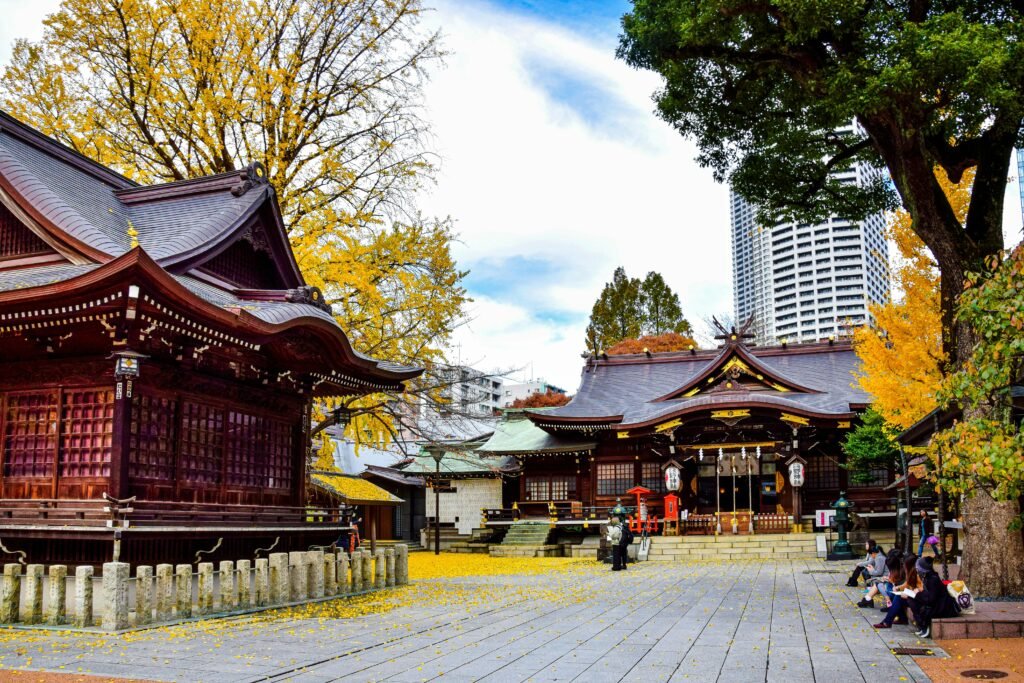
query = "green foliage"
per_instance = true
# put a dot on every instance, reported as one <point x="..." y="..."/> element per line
<point x="985" y="450"/>
<point x="629" y="308"/>
<point x="762" y="87"/>
<point x="869" y="447"/>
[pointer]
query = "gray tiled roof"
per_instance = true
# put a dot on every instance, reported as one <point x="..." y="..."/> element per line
<point x="631" y="390"/>
<point x="24" y="278"/>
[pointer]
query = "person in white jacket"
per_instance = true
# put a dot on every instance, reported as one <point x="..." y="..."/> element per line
<point x="615" y="540"/>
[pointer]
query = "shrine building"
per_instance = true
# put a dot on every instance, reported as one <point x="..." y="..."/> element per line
<point x="159" y="356"/>
<point x="729" y="421"/>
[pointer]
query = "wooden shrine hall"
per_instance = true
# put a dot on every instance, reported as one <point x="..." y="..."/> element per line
<point x="730" y="421"/>
<point x="159" y="355"/>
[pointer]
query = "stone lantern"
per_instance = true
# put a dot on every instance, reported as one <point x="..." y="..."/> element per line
<point x="841" y="550"/>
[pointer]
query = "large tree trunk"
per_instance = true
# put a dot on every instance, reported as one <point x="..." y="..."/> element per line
<point x="992" y="551"/>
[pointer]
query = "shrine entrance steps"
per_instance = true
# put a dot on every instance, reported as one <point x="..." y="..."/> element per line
<point x="527" y="539"/>
<point x="730" y="547"/>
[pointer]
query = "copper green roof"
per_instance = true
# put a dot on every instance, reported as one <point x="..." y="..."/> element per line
<point x="517" y="435"/>
<point x="460" y="462"/>
<point x="353" y="490"/>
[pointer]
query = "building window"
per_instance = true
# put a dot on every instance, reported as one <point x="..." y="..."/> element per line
<point x="153" y="438"/>
<point x="614" y="479"/>
<point x="822" y="472"/>
<point x="650" y="476"/>
<point x="555" y="487"/>
<point x="30" y="434"/>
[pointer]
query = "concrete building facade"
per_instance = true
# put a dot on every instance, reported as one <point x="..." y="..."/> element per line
<point x="807" y="282"/>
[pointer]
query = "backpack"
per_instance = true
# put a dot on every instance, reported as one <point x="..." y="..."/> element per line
<point x="627" y="536"/>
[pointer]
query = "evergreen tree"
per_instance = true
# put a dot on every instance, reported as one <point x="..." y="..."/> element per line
<point x="661" y="310"/>
<point x="629" y="308"/>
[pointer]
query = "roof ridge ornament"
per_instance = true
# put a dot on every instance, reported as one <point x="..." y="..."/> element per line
<point x="732" y="335"/>
<point x="252" y="175"/>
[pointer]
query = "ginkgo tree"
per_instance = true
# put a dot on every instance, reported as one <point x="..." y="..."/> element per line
<point x="902" y="356"/>
<point x="327" y="95"/>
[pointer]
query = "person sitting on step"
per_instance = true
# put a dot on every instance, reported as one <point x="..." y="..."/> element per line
<point x="859" y="571"/>
<point x="872" y="568"/>
<point x="933" y="601"/>
<point x="905" y="579"/>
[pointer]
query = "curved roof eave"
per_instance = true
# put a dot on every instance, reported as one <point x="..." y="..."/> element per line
<point x="752" y="401"/>
<point x="259" y="330"/>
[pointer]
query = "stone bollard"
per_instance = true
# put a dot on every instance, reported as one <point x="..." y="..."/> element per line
<point x="183" y="590"/>
<point x="263" y="582"/>
<point x="205" y="601"/>
<point x="344" y="580"/>
<point x="357" y="571"/>
<point x="243" y="583"/>
<point x="115" y="596"/>
<point x="83" y="597"/>
<point x="143" y="595"/>
<point x="279" y="583"/>
<point x="316" y="573"/>
<point x="10" y="594"/>
<point x="298" y="575"/>
<point x="57" y="613"/>
<point x="367" y="571"/>
<point x="389" y="563"/>
<point x="401" y="565"/>
<point x="34" y="593"/>
<point x="331" y="574"/>
<point x="380" y="569"/>
<point x="164" y="592"/>
<point x="228" y="586"/>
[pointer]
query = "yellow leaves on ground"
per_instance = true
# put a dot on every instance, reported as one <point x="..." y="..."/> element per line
<point x="451" y="565"/>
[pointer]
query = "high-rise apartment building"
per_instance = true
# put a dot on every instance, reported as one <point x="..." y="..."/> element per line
<point x="808" y="281"/>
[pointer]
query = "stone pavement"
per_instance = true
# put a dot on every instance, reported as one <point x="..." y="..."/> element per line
<point x="740" y="621"/>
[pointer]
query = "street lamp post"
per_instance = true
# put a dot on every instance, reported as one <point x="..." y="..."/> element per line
<point x="437" y="453"/>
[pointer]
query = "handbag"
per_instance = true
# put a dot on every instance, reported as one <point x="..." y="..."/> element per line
<point x="962" y="597"/>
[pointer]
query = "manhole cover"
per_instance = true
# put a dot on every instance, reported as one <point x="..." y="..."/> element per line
<point x="825" y="571"/>
<point x="916" y="651"/>
<point x="983" y="674"/>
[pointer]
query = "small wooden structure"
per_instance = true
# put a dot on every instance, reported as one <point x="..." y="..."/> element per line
<point x="159" y="356"/>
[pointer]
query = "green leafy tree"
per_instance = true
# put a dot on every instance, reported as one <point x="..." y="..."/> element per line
<point x="869" y="447"/>
<point x="769" y="91"/>
<point x="618" y="312"/>
<point x="661" y="310"/>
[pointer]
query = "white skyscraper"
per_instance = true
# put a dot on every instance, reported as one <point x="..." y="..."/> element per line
<point x="807" y="282"/>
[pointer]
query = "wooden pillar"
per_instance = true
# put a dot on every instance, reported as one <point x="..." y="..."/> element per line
<point x="301" y="447"/>
<point x="123" y="390"/>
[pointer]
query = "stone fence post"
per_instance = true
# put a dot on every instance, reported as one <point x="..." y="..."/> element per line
<point x="344" y="580"/>
<point x="115" y="596"/>
<point x="315" y="588"/>
<point x="244" y="568"/>
<point x="367" y="570"/>
<point x="10" y="594"/>
<point x="264" y="583"/>
<point x="205" y="601"/>
<point x="298" y="575"/>
<point x="164" y="592"/>
<point x="83" y="597"/>
<point x="34" y="590"/>
<point x="57" y="613"/>
<point x="183" y="590"/>
<point x="389" y="561"/>
<point x="357" y="571"/>
<point x="228" y="586"/>
<point x="379" y="569"/>
<point x="143" y="595"/>
<point x="402" y="565"/>
<point x="330" y="565"/>
<point x="279" y="583"/>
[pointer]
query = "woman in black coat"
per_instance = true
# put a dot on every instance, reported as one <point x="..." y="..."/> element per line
<point x="933" y="601"/>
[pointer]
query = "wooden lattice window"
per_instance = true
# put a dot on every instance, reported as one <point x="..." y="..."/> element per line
<point x="651" y="476"/>
<point x="278" y="442"/>
<point x="16" y="239"/>
<point x="247" y="451"/>
<point x="879" y="477"/>
<point x="614" y="478"/>
<point x="30" y="434"/>
<point x="202" y="442"/>
<point x="563" y="487"/>
<point x="152" y="444"/>
<point x="88" y="433"/>
<point x="822" y="473"/>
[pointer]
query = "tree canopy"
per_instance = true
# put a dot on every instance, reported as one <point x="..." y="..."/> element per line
<point x="547" y="399"/>
<point x="661" y="343"/>
<point x="327" y="95"/>
<point x="869" y="447"/>
<point x="629" y="308"/>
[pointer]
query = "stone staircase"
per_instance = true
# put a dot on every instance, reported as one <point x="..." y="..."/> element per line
<point x="729" y="547"/>
<point x="527" y="539"/>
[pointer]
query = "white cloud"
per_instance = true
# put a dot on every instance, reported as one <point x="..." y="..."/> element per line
<point x="527" y="170"/>
<point x="22" y="19"/>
